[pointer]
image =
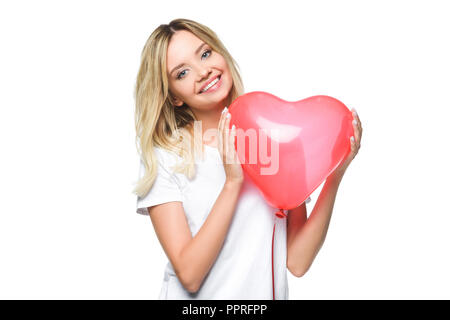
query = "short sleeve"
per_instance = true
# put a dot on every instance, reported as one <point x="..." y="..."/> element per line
<point x="164" y="189"/>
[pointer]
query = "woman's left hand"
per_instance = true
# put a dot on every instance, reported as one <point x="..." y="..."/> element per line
<point x="355" y="144"/>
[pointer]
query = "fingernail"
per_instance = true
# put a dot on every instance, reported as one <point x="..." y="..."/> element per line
<point x="352" y="138"/>
<point x="233" y="127"/>
<point x="354" y="111"/>
<point x="354" y="122"/>
<point x="228" y="115"/>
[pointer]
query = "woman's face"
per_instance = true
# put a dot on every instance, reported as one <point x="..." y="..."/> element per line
<point x="191" y="64"/>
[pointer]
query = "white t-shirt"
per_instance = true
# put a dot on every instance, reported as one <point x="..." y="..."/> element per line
<point x="243" y="268"/>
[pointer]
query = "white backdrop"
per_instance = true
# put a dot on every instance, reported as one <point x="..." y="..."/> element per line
<point x="68" y="227"/>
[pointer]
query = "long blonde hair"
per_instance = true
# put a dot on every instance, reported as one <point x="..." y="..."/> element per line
<point x="157" y="121"/>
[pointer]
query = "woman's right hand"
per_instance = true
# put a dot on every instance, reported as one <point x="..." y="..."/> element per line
<point x="231" y="163"/>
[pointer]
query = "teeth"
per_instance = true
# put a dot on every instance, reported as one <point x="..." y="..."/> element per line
<point x="211" y="84"/>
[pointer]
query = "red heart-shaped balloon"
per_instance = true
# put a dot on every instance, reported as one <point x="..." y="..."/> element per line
<point x="289" y="148"/>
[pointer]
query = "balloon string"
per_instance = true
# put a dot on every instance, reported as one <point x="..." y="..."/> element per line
<point x="273" y="278"/>
<point x="280" y="214"/>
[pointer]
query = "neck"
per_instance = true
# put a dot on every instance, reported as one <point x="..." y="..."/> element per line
<point x="207" y="126"/>
<point x="208" y="123"/>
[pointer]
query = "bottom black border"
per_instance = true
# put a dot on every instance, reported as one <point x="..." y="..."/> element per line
<point x="227" y="309"/>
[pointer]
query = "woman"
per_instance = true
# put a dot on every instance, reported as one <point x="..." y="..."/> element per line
<point x="212" y="222"/>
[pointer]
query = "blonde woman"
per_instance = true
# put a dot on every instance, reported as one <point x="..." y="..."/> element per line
<point x="212" y="222"/>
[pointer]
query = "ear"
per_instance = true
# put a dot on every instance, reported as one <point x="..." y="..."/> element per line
<point x="176" y="101"/>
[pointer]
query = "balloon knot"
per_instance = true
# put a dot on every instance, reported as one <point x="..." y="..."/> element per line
<point x="280" y="214"/>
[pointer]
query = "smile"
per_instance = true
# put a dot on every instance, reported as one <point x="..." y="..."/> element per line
<point x="214" y="85"/>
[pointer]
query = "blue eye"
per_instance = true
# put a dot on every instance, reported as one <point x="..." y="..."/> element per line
<point x="206" y="51"/>
<point x="178" y="76"/>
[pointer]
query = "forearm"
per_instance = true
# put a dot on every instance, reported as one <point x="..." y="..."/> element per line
<point x="200" y="254"/>
<point x="310" y="238"/>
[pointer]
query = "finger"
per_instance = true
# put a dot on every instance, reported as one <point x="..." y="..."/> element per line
<point x="355" y="114"/>
<point x="356" y="130"/>
<point x="233" y="143"/>
<point x="222" y="118"/>
<point x="219" y="131"/>
<point x="352" y="144"/>
<point x="226" y="136"/>
<point x="358" y="121"/>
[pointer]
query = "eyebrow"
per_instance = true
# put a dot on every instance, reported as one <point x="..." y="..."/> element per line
<point x="182" y="64"/>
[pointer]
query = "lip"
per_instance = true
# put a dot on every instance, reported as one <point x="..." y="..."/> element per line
<point x="208" y="82"/>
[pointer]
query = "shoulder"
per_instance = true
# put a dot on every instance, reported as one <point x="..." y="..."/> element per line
<point x="169" y="163"/>
<point x="166" y="157"/>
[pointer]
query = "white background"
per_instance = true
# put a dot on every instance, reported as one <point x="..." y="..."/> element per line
<point x="68" y="227"/>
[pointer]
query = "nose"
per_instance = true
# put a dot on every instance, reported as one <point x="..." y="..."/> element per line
<point x="204" y="72"/>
